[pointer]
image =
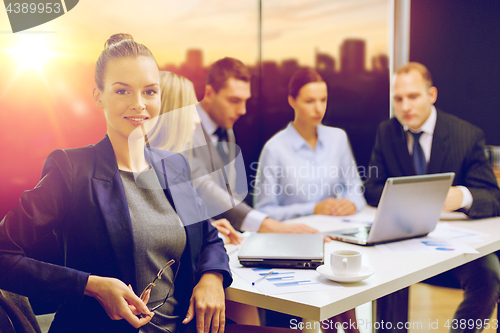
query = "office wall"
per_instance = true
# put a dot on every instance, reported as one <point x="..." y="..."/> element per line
<point x="459" y="41"/>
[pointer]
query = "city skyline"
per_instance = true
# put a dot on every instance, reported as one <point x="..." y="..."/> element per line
<point x="353" y="59"/>
<point x="289" y="29"/>
<point x="194" y="59"/>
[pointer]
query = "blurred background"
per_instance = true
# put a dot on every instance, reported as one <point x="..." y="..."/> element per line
<point x="47" y="72"/>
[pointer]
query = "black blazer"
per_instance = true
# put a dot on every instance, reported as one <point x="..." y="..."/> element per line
<point x="80" y="198"/>
<point x="457" y="146"/>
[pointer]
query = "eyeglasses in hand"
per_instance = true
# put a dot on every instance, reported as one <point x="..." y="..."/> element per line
<point x="158" y="277"/>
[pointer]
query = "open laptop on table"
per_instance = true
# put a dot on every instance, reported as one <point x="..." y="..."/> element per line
<point x="282" y="250"/>
<point x="409" y="207"/>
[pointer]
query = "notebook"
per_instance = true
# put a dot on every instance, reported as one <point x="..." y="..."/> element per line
<point x="409" y="207"/>
<point x="282" y="250"/>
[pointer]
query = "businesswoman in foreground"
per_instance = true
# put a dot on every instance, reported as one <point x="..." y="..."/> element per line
<point x="121" y="213"/>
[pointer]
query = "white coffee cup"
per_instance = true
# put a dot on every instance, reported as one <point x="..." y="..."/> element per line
<point x="345" y="262"/>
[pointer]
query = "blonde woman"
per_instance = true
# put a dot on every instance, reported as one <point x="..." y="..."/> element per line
<point x="175" y="129"/>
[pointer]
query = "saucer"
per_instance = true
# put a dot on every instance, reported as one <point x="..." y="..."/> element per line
<point x="325" y="271"/>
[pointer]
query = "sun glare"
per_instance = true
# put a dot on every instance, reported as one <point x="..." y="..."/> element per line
<point x="31" y="52"/>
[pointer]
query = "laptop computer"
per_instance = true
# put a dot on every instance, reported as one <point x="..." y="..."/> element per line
<point x="282" y="250"/>
<point x="409" y="207"/>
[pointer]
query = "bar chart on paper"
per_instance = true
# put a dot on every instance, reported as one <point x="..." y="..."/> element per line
<point x="279" y="281"/>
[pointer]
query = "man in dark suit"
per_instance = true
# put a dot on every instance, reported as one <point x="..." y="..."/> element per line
<point x="226" y="92"/>
<point x="423" y="140"/>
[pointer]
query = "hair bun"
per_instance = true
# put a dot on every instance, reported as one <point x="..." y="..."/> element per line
<point x="116" y="38"/>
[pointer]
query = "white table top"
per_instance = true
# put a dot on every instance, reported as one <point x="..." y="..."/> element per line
<point x="393" y="272"/>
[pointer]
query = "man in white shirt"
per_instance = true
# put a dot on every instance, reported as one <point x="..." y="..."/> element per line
<point x="226" y="92"/>
<point x="423" y="140"/>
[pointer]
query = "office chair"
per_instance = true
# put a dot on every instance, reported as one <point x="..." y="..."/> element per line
<point x="5" y="322"/>
<point x="16" y="315"/>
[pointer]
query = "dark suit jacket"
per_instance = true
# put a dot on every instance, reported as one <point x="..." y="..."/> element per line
<point x="80" y="198"/>
<point x="457" y="146"/>
<point x="206" y="159"/>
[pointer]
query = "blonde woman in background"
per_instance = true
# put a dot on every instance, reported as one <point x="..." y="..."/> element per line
<point x="178" y="117"/>
<point x="176" y="126"/>
<point x="174" y="132"/>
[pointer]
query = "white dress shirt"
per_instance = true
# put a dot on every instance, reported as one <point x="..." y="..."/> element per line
<point x="210" y="126"/>
<point x="292" y="177"/>
<point x="254" y="218"/>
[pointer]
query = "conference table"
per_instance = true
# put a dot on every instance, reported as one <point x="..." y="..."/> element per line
<point x="392" y="271"/>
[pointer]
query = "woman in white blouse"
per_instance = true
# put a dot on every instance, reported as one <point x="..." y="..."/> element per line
<point x="308" y="168"/>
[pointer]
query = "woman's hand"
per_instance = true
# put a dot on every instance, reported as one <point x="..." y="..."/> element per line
<point x="118" y="300"/>
<point x="208" y="302"/>
<point x="144" y="298"/>
<point x="225" y="228"/>
<point x="335" y="207"/>
<point x="273" y="226"/>
<point x="324" y="207"/>
<point x="343" y="207"/>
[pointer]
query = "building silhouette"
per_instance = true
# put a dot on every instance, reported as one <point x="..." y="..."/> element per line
<point x="194" y="60"/>
<point x="352" y="55"/>
<point x="380" y="64"/>
<point x="325" y="63"/>
<point x="289" y="66"/>
<point x="193" y="69"/>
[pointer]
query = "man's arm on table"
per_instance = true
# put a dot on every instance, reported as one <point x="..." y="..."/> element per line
<point x="479" y="179"/>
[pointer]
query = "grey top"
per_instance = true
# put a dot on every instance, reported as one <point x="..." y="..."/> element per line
<point x="158" y="237"/>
